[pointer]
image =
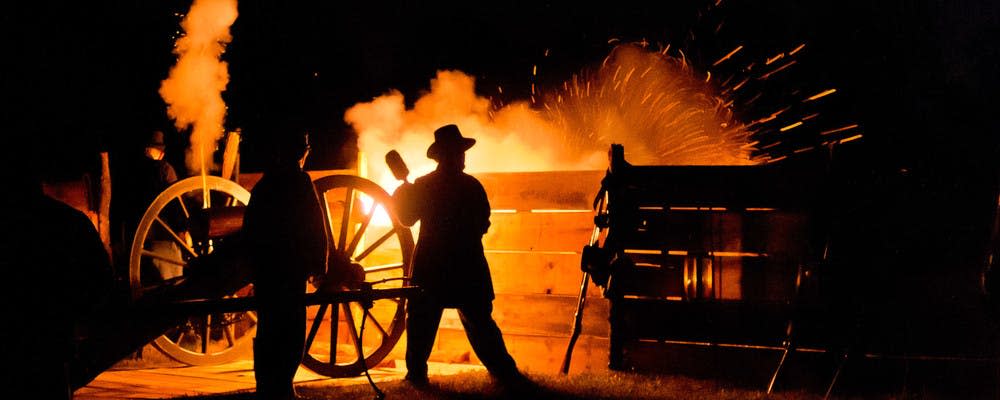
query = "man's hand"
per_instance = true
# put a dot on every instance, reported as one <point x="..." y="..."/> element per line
<point x="405" y="201"/>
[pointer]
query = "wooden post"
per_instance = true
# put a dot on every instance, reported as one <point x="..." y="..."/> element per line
<point x="230" y="156"/>
<point x="104" y="204"/>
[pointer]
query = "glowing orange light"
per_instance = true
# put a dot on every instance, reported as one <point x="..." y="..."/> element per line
<point x="639" y="251"/>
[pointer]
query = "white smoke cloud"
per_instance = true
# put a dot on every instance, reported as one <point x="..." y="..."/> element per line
<point x="513" y="138"/>
<point x="193" y="90"/>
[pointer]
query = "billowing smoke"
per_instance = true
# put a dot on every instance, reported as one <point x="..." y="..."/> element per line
<point x="657" y="106"/>
<point x="513" y="138"/>
<point x="193" y="90"/>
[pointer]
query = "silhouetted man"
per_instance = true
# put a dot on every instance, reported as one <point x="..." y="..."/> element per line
<point x="150" y="175"/>
<point x="286" y="243"/>
<point x="57" y="275"/>
<point x="448" y="262"/>
<point x="157" y="175"/>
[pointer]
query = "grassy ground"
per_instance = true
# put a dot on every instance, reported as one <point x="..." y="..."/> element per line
<point x="638" y="386"/>
<point x="479" y="385"/>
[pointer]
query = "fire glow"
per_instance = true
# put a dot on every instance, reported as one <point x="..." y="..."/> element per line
<point x="659" y="108"/>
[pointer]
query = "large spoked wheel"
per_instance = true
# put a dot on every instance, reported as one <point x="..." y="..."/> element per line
<point x="161" y="251"/>
<point x="343" y="339"/>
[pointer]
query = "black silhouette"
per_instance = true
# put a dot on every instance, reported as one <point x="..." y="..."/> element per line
<point x="448" y="262"/>
<point x="146" y="177"/>
<point x="57" y="275"/>
<point x="286" y="244"/>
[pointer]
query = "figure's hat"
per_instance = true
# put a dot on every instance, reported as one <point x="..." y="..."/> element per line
<point x="156" y="140"/>
<point x="448" y="140"/>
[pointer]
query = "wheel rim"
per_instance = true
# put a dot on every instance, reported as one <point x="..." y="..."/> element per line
<point x="204" y="339"/>
<point x="382" y="247"/>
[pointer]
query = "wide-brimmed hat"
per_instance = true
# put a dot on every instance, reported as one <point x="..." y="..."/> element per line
<point x="448" y="139"/>
<point x="156" y="140"/>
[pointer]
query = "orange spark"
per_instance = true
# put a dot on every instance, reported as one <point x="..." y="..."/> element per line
<point x="855" y="137"/>
<point x="821" y="95"/>
<point x="792" y="126"/>
<point x="781" y="68"/>
<point x="841" y="129"/>
<point x="726" y="57"/>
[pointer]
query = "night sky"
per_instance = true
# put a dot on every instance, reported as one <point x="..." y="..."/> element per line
<point x="919" y="76"/>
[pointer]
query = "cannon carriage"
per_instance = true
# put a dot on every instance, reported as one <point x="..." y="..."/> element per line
<point x="189" y="293"/>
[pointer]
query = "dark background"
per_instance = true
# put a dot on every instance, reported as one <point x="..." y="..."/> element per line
<point x="914" y="198"/>
<point x="917" y="74"/>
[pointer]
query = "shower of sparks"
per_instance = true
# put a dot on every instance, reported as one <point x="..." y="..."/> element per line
<point x="665" y="107"/>
<point x="659" y="108"/>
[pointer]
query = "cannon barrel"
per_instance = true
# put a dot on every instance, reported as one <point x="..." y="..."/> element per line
<point x="216" y="222"/>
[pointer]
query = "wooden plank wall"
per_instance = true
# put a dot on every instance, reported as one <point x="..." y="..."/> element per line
<point x="540" y="223"/>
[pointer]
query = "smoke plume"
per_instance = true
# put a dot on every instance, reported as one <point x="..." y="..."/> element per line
<point x="509" y="139"/>
<point x="193" y="90"/>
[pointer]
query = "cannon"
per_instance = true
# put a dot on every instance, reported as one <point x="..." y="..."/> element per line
<point x="191" y="298"/>
<point x="719" y="255"/>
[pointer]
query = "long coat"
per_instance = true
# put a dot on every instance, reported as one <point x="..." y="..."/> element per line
<point x="454" y="214"/>
<point x="284" y="232"/>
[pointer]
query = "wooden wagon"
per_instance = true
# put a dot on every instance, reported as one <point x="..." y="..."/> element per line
<point x="708" y="255"/>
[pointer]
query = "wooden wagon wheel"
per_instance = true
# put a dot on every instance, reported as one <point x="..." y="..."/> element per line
<point x="162" y="249"/>
<point x="364" y="231"/>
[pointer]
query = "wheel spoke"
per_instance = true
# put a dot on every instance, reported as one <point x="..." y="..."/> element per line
<point x="184" y="209"/>
<point x="176" y="237"/>
<point x="346" y="220"/>
<point x="206" y="333"/>
<point x="379" y="326"/>
<point x="334" y="328"/>
<point x="329" y="221"/>
<point x="375" y="245"/>
<point x="383" y="268"/>
<point x="361" y="230"/>
<point x="353" y="330"/>
<point x="317" y="322"/>
<point x="230" y="335"/>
